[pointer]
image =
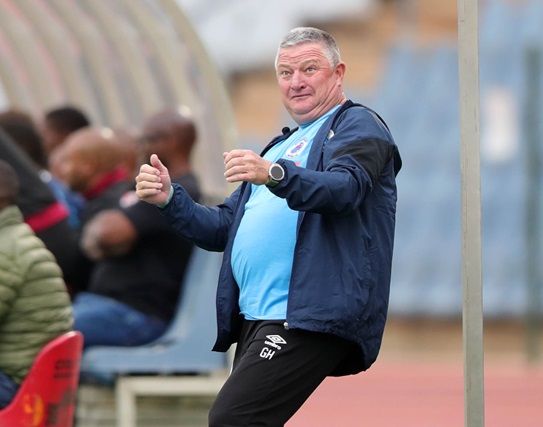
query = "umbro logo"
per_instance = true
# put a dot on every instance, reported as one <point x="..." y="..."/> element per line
<point x="276" y="339"/>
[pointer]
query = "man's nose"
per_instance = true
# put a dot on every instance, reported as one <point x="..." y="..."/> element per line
<point x="297" y="82"/>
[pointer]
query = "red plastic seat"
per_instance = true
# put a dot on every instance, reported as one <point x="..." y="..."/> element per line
<point x="46" y="397"/>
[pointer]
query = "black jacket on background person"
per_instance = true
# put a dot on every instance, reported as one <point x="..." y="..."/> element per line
<point x="149" y="276"/>
<point x="45" y="215"/>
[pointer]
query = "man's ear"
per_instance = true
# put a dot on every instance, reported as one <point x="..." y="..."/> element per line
<point x="340" y="71"/>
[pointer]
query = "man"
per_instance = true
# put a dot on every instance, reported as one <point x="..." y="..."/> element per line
<point x="139" y="265"/>
<point x="22" y="130"/>
<point x="59" y="123"/>
<point x="91" y="166"/>
<point x="47" y="217"/>
<point x="307" y="240"/>
<point x="34" y="304"/>
<point x="128" y="140"/>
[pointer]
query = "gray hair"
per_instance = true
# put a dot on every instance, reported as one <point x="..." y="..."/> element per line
<point x="301" y="35"/>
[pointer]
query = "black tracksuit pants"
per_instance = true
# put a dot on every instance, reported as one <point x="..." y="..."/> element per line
<point x="275" y="370"/>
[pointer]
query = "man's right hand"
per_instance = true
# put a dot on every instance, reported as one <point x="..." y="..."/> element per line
<point x="153" y="183"/>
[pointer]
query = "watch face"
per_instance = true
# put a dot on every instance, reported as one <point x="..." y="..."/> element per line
<point x="277" y="173"/>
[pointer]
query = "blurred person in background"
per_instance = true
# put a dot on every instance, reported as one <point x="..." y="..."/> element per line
<point x="34" y="303"/>
<point x="20" y="127"/>
<point x="58" y="123"/>
<point x="139" y="265"/>
<point x="90" y="164"/>
<point x="307" y="240"/>
<point x="47" y="217"/>
<point x="131" y="153"/>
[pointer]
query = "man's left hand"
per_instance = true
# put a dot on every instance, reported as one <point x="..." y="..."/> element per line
<point x="246" y="165"/>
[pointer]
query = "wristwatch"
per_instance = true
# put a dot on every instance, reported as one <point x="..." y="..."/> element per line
<point x="275" y="174"/>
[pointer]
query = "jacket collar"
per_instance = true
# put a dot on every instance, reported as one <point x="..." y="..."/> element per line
<point x="106" y="181"/>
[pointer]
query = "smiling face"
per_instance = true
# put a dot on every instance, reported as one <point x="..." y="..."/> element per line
<point x="309" y="85"/>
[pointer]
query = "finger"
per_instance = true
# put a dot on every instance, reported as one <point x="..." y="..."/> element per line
<point x="227" y="157"/>
<point x="149" y="183"/>
<point x="150" y="175"/>
<point x="234" y="154"/>
<point x="145" y="168"/>
<point x="153" y="187"/>
<point x="148" y="190"/>
<point x="155" y="161"/>
<point x="146" y="193"/>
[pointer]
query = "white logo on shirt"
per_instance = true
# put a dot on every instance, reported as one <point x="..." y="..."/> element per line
<point x="297" y="148"/>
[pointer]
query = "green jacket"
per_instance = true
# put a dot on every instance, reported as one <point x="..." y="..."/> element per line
<point x="34" y="304"/>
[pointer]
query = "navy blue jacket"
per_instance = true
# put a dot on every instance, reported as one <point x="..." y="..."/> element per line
<point x="346" y="199"/>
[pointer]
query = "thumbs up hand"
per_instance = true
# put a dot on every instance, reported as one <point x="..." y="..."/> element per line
<point x="153" y="183"/>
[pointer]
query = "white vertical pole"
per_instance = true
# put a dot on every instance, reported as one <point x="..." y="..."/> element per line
<point x="534" y="212"/>
<point x="472" y="313"/>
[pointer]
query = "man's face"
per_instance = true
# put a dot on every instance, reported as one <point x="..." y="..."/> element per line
<point x="74" y="169"/>
<point x="309" y="86"/>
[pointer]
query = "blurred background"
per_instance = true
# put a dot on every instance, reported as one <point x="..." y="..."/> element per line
<point x="120" y="60"/>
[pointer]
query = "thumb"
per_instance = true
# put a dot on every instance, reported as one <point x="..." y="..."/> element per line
<point x="156" y="163"/>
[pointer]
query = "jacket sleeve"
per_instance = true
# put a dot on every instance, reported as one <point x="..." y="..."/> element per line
<point x="9" y="282"/>
<point x="206" y="227"/>
<point x="353" y="159"/>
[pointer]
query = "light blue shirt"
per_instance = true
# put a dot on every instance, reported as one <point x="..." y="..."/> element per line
<point x="263" y="248"/>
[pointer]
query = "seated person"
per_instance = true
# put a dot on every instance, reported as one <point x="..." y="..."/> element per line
<point x="56" y="126"/>
<point x="34" y="303"/>
<point x="59" y="123"/>
<point x="20" y="127"/>
<point x="91" y="167"/>
<point x="47" y="217"/>
<point x="139" y="263"/>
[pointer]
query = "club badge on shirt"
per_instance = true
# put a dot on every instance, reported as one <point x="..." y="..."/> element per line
<point x="297" y="148"/>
